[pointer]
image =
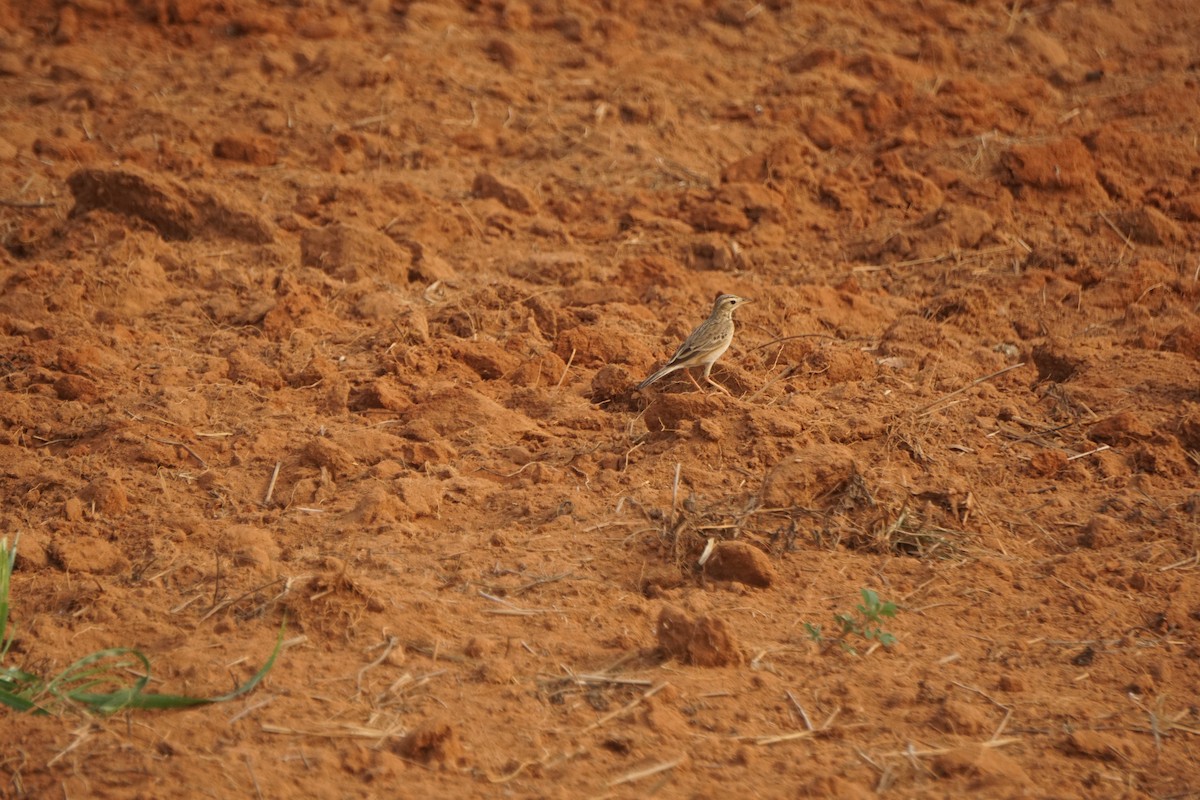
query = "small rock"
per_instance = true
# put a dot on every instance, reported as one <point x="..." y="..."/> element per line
<point x="478" y="647"/>
<point x="828" y="133"/>
<point x="669" y="411"/>
<point x="251" y="547"/>
<point x="716" y="215"/>
<point x="789" y="159"/>
<point x="1010" y="682"/>
<point x="957" y="717"/>
<point x="710" y="430"/>
<point x="67" y="29"/>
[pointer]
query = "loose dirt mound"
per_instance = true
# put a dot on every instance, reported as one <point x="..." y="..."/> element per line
<point x="333" y="313"/>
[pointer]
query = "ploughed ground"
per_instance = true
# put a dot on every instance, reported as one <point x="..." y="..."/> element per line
<point x="328" y="315"/>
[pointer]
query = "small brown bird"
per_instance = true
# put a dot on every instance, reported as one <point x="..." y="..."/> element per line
<point x="705" y="344"/>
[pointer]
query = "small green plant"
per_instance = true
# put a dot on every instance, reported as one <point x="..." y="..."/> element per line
<point x="866" y="623"/>
<point x="99" y="682"/>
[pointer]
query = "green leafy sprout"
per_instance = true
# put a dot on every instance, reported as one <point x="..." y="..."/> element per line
<point x="99" y="682"/>
<point x="865" y="623"/>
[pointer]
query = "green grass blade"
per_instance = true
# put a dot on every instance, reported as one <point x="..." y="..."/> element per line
<point x="258" y="676"/>
<point x="109" y="702"/>
<point x="81" y="678"/>
<point x="107" y="669"/>
<point x="19" y="703"/>
<point x="126" y="698"/>
<point x="8" y="558"/>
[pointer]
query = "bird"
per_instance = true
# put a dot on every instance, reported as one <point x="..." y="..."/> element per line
<point x="704" y="345"/>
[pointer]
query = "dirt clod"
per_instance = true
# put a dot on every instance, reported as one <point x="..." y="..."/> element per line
<point x="352" y="253"/>
<point x="985" y="766"/>
<point x="105" y="496"/>
<point x="704" y="641"/>
<point x="1098" y="745"/>
<point x="176" y="211"/>
<point x="432" y="742"/>
<point x="741" y="562"/>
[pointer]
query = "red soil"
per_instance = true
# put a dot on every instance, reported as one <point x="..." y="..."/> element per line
<point x="416" y="255"/>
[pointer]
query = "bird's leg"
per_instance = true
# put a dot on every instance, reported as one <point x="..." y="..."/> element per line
<point x="699" y="388"/>
<point x="719" y="386"/>
<point x="707" y="369"/>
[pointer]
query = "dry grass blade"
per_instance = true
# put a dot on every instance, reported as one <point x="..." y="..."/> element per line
<point x="185" y="446"/>
<point x="388" y="646"/>
<point x="783" y="737"/>
<point x="344" y="731"/>
<point x="1129" y="245"/>
<point x="1191" y="562"/>
<point x="941" y="751"/>
<point x="547" y="762"/>
<point x="271" y="485"/>
<point x="925" y="408"/>
<point x="26" y="204"/>
<point x="1099" y="449"/>
<point x="224" y="604"/>
<point x="81" y="735"/>
<point x="566" y="369"/>
<point x="803" y="714"/>
<point x="511" y="609"/>
<point x="540" y="582"/>
<point x="639" y="774"/>
<point x="611" y="679"/>
<point x="625" y="709"/>
<point x="406" y="684"/>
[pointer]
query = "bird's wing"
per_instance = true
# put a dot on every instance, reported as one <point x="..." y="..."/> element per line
<point x="687" y="349"/>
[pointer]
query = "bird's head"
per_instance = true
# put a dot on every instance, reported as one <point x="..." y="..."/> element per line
<point x="726" y="303"/>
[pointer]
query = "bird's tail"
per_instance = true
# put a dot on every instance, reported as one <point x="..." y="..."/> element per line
<point x="655" y="376"/>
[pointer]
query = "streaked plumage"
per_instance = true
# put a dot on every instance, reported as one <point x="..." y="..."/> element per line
<point x="705" y="344"/>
